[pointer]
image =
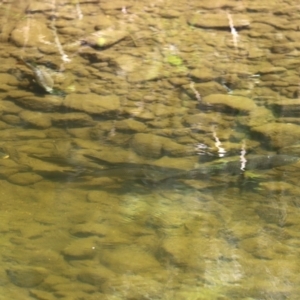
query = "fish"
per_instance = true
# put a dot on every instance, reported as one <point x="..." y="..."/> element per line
<point x="41" y="75"/>
<point x="235" y="166"/>
<point x="152" y="174"/>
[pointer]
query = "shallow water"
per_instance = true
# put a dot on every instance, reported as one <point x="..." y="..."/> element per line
<point x="115" y="144"/>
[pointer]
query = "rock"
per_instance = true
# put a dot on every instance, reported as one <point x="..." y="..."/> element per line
<point x="35" y="7"/>
<point x="83" y="248"/>
<point x="286" y="107"/>
<point x="135" y="287"/>
<point x="8" y="79"/>
<point x="203" y="74"/>
<point x="9" y="107"/>
<point x="120" y="260"/>
<point x="205" y="88"/>
<point x="130" y="125"/>
<point x="36" y="119"/>
<point x="229" y="103"/>
<point x="282" y="48"/>
<point x="177" y="163"/>
<point x="90" y="229"/>
<point x="105" y="38"/>
<point x="25" y="178"/>
<point x="96" y="275"/>
<point x="45" y="103"/>
<point x="11" y="119"/>
<point x="26" y="276"/>
<point x="259" y="116"/>
<point x="264" y="247"/>
<point x="218" y="21"/>
<point x="155" y="146"/>
<point x="93" y="103"/>
<point x="278" y="135"/>
<point x="147" y="72"/>
<point x="72" y="120"/>
<point x="28" y="33"/>
<point x="41" y="295"/>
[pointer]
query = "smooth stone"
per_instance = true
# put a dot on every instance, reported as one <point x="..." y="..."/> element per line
<point x="257" y="117"/>
<point x="83" y="248"/>
<point x="105" y="38"/>
<point x="278" y="135"/>
<point x="36" y="119"/>
<point x="72" y="120"/>
<point x="286" y="107"/>
<point x="147" y="73"/>
<point x="25" y="35"/>
<point x="203" y="74"/>
<point x="11" y="119"/>
<point x="93" y="103"/>
<point x="25" y="178"/>
<point x="41" y="295"/>
<point x="230" y="102"/>
<point x="120" y="260"/>
<point x="130" y="125"/>
<point x="9" y="107"/>
<point x="26" y="276"/>
<point x="44" y="103"/>
<point x="95" y="275"/>
<point x="90" y="229"/>
<point x="155" y="146"/>
<point x="205" y="89"/>
<point x="218" y="21"/>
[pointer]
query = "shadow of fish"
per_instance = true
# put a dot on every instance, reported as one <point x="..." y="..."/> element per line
<point x="236" y="167"/>
<point x="151" y="173"/>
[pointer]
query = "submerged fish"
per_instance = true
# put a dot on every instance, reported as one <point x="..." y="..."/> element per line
<point x="235" y="167"/>
<point x="151" y="173"/>
<point x="148" y="173"/>
<point x="41" y="75"/>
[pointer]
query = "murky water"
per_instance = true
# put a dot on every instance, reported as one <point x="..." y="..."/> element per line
<point x="149" y="150"/>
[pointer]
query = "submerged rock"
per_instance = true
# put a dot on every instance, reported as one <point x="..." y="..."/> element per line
<point x="93" y="103"/>
<point x="218" y="21"/>
<point x="278" y="135"/>
<point x="26" y="276"/>
<point x="105" y="38"/>
<point x="230" y="103"/>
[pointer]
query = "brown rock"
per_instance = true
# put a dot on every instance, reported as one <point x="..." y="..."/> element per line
<point x="155" y="146"/>
<point x="218" y="21"/>
<point x="84" y="248"/>
<point x="36" y="119"/>
<point x="130" y="125"/>
<point x="28" y="33"/>
<point x="45" y="103"/>
<point x="230" y="103"/>
<point x="72" y="120"/>
<point x="93" y="103"/>
<point x="26" y="276"/>
<point x="278" y="135"/>
<point x="25" y="178"/>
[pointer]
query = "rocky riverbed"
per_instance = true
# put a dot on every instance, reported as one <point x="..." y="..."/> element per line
<point x="165" y="86"/>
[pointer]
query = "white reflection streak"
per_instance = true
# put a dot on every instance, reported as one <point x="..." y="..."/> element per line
<point x="197" y="94"/>
<point x="64" y="56"/>
<point x="242" y="157"/>
<point x="218" y="144"/>
<point x="234" y="33"/>
<point x="79" y="12"/>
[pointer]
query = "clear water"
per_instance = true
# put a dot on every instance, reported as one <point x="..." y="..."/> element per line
<point x="108" y="188"/>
